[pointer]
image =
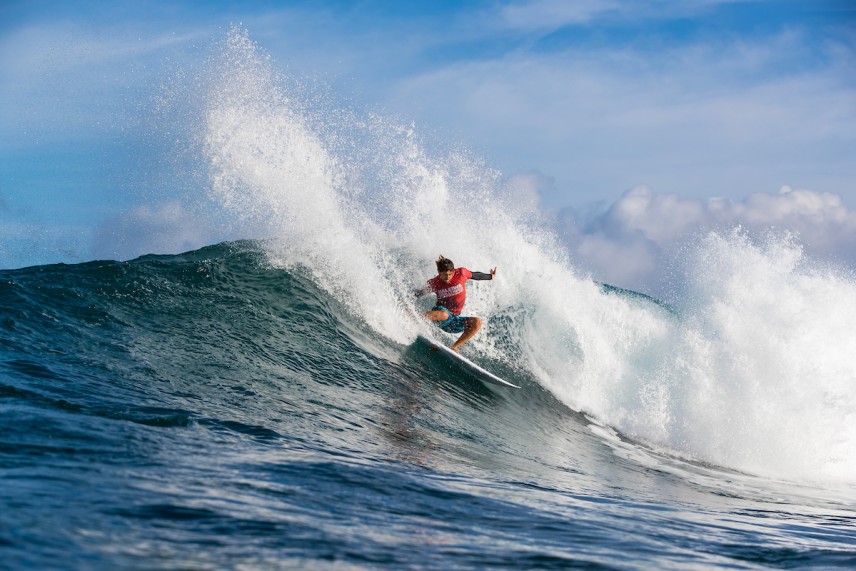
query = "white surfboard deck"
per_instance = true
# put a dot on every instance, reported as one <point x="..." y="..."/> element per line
<point x="466" y="364"/>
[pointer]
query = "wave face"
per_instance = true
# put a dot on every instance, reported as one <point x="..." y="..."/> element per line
<point x="262" y="403"/>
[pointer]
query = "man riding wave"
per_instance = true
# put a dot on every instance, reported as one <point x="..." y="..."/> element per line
<point x="450" y="287"/>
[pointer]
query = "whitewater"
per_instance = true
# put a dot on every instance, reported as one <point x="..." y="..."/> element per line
<point x="756" y="373"/>
<point x="261" y="403"/>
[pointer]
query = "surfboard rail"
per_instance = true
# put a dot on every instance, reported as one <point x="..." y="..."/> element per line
<point x="464" y="363"/>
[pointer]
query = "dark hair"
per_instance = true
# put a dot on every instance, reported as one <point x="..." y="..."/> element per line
<point x="444" y="264"/>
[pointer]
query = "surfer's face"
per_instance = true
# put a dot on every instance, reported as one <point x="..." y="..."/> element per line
<point x="446" y="275"/>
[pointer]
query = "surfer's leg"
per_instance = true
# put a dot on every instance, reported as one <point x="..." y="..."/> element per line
<point x="471" y="327"/>
<point x="437" y="315"/>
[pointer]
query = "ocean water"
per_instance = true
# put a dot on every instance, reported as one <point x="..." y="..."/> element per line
<point x="262" y="403"/>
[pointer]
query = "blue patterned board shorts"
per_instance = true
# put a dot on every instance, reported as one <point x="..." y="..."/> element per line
<point x="454" y="324"/>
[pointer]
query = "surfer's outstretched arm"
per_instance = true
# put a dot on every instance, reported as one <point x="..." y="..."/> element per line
<point x="483" y="275"/>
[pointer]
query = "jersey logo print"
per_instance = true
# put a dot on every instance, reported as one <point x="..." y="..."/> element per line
<point x="450" y="292"/>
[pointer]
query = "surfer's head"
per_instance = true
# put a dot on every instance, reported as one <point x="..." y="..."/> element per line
<point x="444" y="265"/>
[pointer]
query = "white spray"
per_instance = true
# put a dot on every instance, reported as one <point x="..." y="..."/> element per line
<point x="756" y="371"/>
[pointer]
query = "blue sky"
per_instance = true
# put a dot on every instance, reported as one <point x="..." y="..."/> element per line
<point x="596" y="104"/>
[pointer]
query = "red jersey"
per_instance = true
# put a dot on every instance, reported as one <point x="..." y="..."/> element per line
<point x="452" y="295"/>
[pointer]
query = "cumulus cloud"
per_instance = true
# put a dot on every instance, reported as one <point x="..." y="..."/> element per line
<point x="633" y="241"/>
<point x="167" y="228"/>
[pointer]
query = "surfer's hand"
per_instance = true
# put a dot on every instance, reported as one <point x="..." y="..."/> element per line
<point x="493" y="273"/>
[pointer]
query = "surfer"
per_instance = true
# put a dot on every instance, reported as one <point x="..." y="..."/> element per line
<point x="450" y="286"/>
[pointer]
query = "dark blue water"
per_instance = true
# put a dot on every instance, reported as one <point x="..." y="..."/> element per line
<point x="212" y="411"/>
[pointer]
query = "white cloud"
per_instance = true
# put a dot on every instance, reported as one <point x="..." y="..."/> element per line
<point x="167" y="228"/>
<point x="735" y="117"/>
<point x="636" y="238"/>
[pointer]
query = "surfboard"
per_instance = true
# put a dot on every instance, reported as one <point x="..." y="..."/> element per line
<point x="465" y="364"/>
